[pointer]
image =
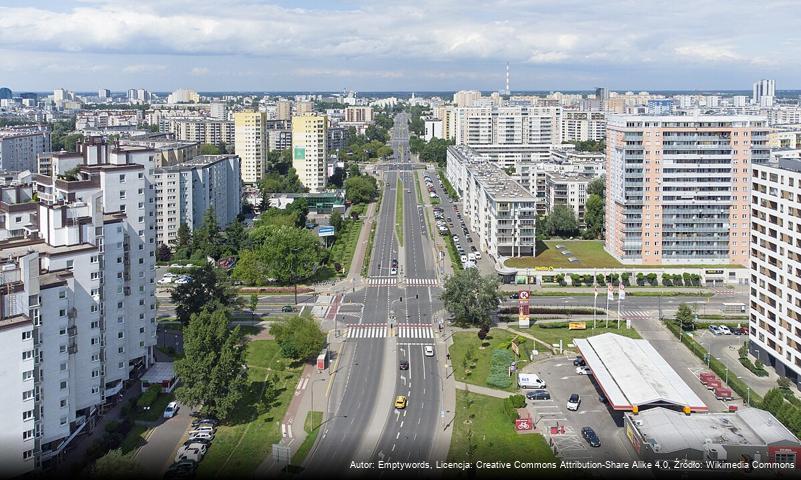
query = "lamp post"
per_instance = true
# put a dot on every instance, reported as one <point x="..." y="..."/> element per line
<point x="747" y="392"/>
<point x="727" y="368"/>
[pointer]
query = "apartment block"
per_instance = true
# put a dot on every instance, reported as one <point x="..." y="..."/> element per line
<point x="567" y="189"/>
<point x="466" y="98"/>
<point x="77" y="298"/>
<point x="20" y="146"/>
<point x="581" y="126"/>
<point x="201" y="130"/>
<point x="251" y="144"/>
<point x="677" y="187"/>
<point x="358" y="114"/>
<point x="775" y="313"/>
<point x="498" y="209"/>
<point x="309" y="150"/>
<point x="185" y="191"/>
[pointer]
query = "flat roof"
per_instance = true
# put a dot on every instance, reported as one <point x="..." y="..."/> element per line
<point x="632" y="373"/>
<point x="674" y="431"/>
<point x="496" y="182"/>
<point x="159" y="372"/>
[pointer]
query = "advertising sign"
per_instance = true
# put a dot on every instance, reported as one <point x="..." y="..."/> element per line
<point x="326" y="232"/>
<point x="577" y="326"/>
<point x="523" y="424"/>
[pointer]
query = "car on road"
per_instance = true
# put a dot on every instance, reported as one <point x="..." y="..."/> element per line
<point x="456" y="238"/>
<point x="400" y="401"/>
<point x="182" y="469"/>
<point x="514" y="296"/>
<point x="573" y="402"/>
<point x="287" y="309"/>
<point x="579" y="361"/>
<point x="393" y="271"/>
<point x="591" y="437"/>
<point x="724" y="330"/>
<point x="585" y="370"/>
<point x="538" y="395"/>
<point x="469" y="239"/>
<point x="171" y="410"/>
<point x="463" y="258"/>
<point x="478" y="255"/>
<point x="428" y="350"/>
<point x="715" y="329"/>
<point x="404" y="365"/>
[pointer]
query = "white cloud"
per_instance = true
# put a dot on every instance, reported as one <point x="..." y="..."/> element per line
<point x="710" y="53"/>
<point x="144" y="68"/>
<point x="199" y="71"/>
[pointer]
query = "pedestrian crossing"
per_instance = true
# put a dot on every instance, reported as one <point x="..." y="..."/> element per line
<point x="633" y="314"/>
<point x="391" y="281"/>
<point x="421" y="281"/>
<point x="381" y="330"/>
<point x="412" y="330"/>
<point x="382" y="281"/>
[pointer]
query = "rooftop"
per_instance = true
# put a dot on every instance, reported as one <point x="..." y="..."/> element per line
<point x="198" y="161"/>
<point x="492" y="179"/>
<point x="633" y="374"/>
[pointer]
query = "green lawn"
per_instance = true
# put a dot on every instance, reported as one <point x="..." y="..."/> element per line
<point x="345" y="244"/>
<point x="156" y="410"/>
<point x="417" y="188"/>
<point x="369" y="250"/>
<point x="590" y="254"/>
<point x="312" y="427"/>
<point x="456" y="262"/>
<point x="477" y="373"/>
<point x="399" y="211"/>
<point x="493" y="435"/>
<point x="448" y="187"/>
<point x="246" y="439"/>
<point x="553" y="335"/>
<point x="134" y="439"/>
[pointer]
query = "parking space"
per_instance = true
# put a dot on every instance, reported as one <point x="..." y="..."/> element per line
<point x="563" y="381"/>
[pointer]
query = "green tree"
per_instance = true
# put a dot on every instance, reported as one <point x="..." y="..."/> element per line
<point x="597" y="186"/>
<point x="384" y="151"/>
<point x="283" y="254"/>
<point x="71" y="141"/>
<point x="471" y="298"/>
<point x="212" y="372"/>
<point x="206" y="284"/>
<point x="338" y="178"/>
<point x="207" y="239"/>
<point x="353" y="170"/>
<point x="562" y="222"/>
<point x="163" y="254"/>
<point x="235" y="238"/>
<point x="361" y="189"/>
<point x="299" y="337"/>
<point x="115" y="464"/>
<point x="253" y="303"/>
<point x="685" y="317"/>
<point x="209" y="149"/>
<point x="594" y="216"/>
<point x="183" y="238"/>
<point x="336" y="221"/>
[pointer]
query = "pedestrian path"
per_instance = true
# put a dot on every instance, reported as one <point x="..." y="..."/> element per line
<point x="421" y="281"/>
<point x="382" y="281"/>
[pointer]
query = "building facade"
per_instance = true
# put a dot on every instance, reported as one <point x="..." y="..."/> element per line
<point x="582" y="125"/>
<point x="567" y="189"/>
<point x="20" y="146"/>
<point x="677" y="187"/>
<point x="310" y="151"/>
<point x="251" y="144"/>
<point x="199" y="130"/>
<point x="499" y="210"/>
<point x="184" y="192"/>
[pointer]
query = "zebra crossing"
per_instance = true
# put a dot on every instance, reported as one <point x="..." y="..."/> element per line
<point x="633" y="314"/>
<point x="382" y="281"/>
<point x="412" y="330"/>
<point x="417" y="282"/>
<point x="367" y="330"/>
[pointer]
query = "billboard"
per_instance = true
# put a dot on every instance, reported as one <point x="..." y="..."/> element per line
<point x="326" y="232"/>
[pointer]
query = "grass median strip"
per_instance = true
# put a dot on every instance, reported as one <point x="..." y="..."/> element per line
<point x="417" y="187"/>
<point x="399" y="212"/>
<point x="345" y="244"/>
<point x="312" y="427"/>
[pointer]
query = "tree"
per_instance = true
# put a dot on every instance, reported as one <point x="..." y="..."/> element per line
<point x="212" y="372"/>
<point x="207" y="239"/>
<point x="299" y="338"/>
<point x="209" y="149"/>
<point x="384" y="151"/>
<point x="594" y="216"/>
<point x="235" y="237"/>
<point x="353" y="170"/>
<point x="471" y="298"/>
<point x="562" y="222"/>
<point x="183" y="238"/>
<point x="338" y="178"/>
<point x="685" y="317"/>
<point x="163" y="254"/>
<point x="115" y="464"/>
<point x="253" y="303"/>
<point x="361" y="189"/>
<point x="336" y="221"/>
<point x="597" y="186"/>
<point x="206" y="284"/>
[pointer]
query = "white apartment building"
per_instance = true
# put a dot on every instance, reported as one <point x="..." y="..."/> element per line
<point x="183" y="95"/>
<point x="20" y="146"/>
<point x="309" y="150"/>
<point x="764" y="93"/>
<point x="466" y="98"/>
<point x="433" y="129"/>
<point x="98" y="119"/>
<point x="567" y="189"/>
<point x="251" y="144"/>
<point x="77" y="304"/>
<point x="355" y="114"/>
<point x="583" y="125"/>
<point x="775" y="310"/>
<point x="498" y="209"/>
<point x="202" y="130"/>
<point x="185" y="191"/>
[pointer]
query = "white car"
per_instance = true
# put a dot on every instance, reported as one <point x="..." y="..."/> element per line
<point x="204" y="428"/>
<point x="393" y="271"/>
<point x="165" y="280"/>
<point x="195" y="435"/>
<point x="585" y="370"/>
<point x="724" y="330"/>
<point x="471" y="257"/>
<point x="183" y="279"/>
<point x="171" y="410"/>
<point x="189" y="451"/>
<point x="478" y="255"/>
<point x="573" y="402"/>
<point x="428" y="350"/>
<point x="715" y="329"/>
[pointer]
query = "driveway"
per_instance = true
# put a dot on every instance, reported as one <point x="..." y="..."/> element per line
<point x="159" y="451"/>
<point x="724" y="348"/>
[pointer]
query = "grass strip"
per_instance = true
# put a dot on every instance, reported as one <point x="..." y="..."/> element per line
<point x="399" y="212"/>
<point x="312" y="427"/>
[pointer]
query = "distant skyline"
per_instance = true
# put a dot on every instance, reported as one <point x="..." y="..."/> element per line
<point x="446" y="45"/>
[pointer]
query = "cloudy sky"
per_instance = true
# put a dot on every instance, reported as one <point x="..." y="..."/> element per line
<point x="398" y="45"/>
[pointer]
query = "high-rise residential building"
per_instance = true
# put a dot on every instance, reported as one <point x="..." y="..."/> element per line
<point x="202" y="130"/>
<point x="764" y="92"/>
<point x="775" y="307"/>
<point x="739" y="101"/>
<point x="283" y="110"/>
<point x="77" y="298"/>
<point x="602" y="93"/>
<point x="19" y="147"/>
<point x="219" y="111"/>
<point x="568" y="189"/>
<point x="677" y="187"/>
<point x="466" y="98"/>
<point x="251" y="144"/>
<point x="104" y="93"/>
<point x="183" y="95"/>
<point x="310" y="150"/>
<point x="498" y="209"/>
<point x="358" y="114"/>
<point x="186" y="190"/>
<point x="5" y="93"/>
<point x="582" y="125"/>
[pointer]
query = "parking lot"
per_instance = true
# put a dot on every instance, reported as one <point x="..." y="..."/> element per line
<point x="562" y="380"/>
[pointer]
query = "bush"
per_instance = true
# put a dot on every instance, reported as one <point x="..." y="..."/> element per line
<point x="624" y="277"/>
<point x="589" y="279"/>
<point x="600" y="280"/>
<point x="560" y="279"/>
<point x="150" y="396"/>
<point x="651" y="277"/>
<point x="511" y="404"/>
<point x="667" y="280"/>
<point x="640" y="279"/>
<point x="518" y="401"/>
<point x="112" y="426"/>
<point x="499" y="369"/>
<point x="575" y="279"/>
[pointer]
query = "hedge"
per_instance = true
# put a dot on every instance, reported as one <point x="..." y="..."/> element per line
<point x="511" y="404"/>
<point x="499" y="369"/>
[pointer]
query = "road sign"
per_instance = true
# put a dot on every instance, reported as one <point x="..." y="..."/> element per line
<point x="524" y="294"/>
<point x="523" y="424"/>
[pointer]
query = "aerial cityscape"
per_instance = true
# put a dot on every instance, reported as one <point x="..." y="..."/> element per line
<point x="421" y="240"/>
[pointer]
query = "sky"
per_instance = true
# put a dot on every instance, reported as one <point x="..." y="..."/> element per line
<point x="399" y="45"/>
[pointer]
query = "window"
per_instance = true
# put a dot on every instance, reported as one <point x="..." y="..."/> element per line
<point x="27" y="375"/>
<point x="122" y="178"/>
<point x="70" y="264"/>
<point x="63" y="420"/>
<point x="95" y="373"/>
<point x="62" y="403"/>
<point x="27" y="434"/>
<point x="63" y="385"/>
<point x="27" y="395"/>
<point x="27" y="454"/>
<point x="27" y="335"/>
<point x="62" y="293"/>
<point x="27" y="355"/>
<point x="27" y="415"/>
<point x="120" y="365"/>
<point x="120" y="334"/>
<point x="95" y="389"/>
<point x="62" y="313"/>
<point x="63" y="366"/>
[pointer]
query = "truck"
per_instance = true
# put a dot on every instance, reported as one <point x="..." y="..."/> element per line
<point x="529" y="380"/>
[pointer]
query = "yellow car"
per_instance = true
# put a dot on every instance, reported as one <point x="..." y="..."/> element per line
<point x="400" y="402"/>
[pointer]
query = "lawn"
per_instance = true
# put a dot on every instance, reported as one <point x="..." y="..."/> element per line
<point x="493" y="435"/>
<point x="469" y="341"/>
<point x="553" y="335"/>
<point x="134" y="439"/>
<point x="345" y="244"/>
<point x="369" y="250"/>
<point x="448" y="187"/>
<point x="312" y="427"/>
<point x="456" y="262"/>
<point x="156" y="410"/>
<point x="399" y="211"/>
<point x="590" y="254"/>
<point x="417" y="188"/>
<point x="246" y="439"/>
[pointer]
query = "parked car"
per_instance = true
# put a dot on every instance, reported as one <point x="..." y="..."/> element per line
<point x="393" y="271"/>
<point x="182" y="469"/>
<point x="579" y="361"/>
<point x="171" y="410"/>
<point x="583" y="370"/>
<point x="204" y="441"/>
<point x="195" y="434"/>
<point x="478" y="254"/>
<point x="203" y="427"/>
<point x="205" y="421"/>
<point x="573" y="402"/>
<point x="463" y="258"/>
<point x="538" y="395"/>
<point x="189" y="453"/>
<point x="456" y="238"/>
<point x="400" y="401"/>
<point x="404" y="365"/>
<point x="724" y="330"/>
<point x="287" y="308"/>
<point x="591" y="437"/>
<point x="428" y="350"/>
<point x="514" y="296"/>
<point x="715" y="329"/>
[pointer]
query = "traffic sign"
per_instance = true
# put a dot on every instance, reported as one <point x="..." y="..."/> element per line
<point x="524" y="294"/>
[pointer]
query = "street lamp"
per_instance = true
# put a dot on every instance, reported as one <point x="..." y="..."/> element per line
<point x="727" y="368"/>
<point x="747" y="392"/>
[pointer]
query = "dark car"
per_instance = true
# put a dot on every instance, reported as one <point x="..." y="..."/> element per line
<point x="395" y="262"/>
<point x="601" y="399"/>
<point x="404" y="365"/>
<point x="579" y="362"/>
<point x="514" y="296"/>
<point x="288" y="308"/>
<point x="182" y="469"/>
<point x="591" y="437"/>
<point x="538" y="395"/>
<point x="469" y="239"/>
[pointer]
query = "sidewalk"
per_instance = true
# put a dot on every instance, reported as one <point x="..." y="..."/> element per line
<point x="491" y="392"/>
<point x="505" y="326"/>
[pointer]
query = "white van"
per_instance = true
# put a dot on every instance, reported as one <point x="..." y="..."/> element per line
<point x="529" y="380"/>
<point x="471" y="257"/>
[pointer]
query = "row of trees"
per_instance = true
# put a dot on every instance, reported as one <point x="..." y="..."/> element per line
<point x="207" y="241"/>
<point x="433" y="151"/>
